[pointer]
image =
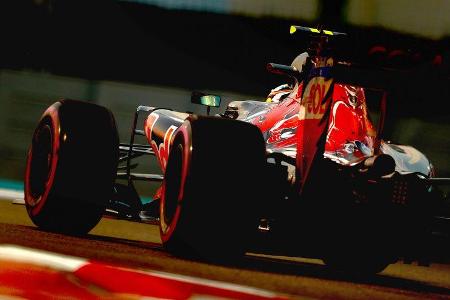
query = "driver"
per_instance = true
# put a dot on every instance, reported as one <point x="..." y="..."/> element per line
<point x="279" y="93"/>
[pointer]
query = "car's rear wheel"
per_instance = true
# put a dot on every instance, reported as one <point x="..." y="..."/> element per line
<point x="71" y="167"/>
<point x="361" y="251"/>
<point x="212" y="185"/>
<point x="358" y="264"/>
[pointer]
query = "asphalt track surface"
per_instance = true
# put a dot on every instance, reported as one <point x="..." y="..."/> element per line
<point x="137" y="246"/>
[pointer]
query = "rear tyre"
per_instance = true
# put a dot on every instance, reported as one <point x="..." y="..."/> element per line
<point x="358" y="265"/>
<point x="211" y="188"/>
<point x="71" y="167"/>
<point x="360" y="252"/>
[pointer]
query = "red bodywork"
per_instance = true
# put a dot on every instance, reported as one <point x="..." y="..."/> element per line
<point x="284" y="124"/>
<point x="301" y="123"/>
<point x="319" y="118"/>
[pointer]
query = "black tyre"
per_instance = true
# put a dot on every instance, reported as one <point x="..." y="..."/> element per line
<point x="71" y="167"/>
<point x="212" y="186"/>
<point x="358" y="265"/>
<point x="358" y="252"/>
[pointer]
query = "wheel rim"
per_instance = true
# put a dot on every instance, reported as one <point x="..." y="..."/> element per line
<point x="41" y="161"/>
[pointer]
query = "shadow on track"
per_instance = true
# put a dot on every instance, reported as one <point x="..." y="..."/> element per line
<point x="314" y="270"/>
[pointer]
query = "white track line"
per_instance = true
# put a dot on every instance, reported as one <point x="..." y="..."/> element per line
<point x="42" y="258"/>
<point x="14" y="195"/>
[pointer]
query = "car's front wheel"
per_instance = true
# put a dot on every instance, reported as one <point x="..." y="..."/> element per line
<point x="71" y="167"/>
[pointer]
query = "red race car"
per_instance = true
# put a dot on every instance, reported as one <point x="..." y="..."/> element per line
<point x="305" y="173"/>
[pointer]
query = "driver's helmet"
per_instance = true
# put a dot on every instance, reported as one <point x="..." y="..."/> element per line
<point x="278" y="94"/>
<point x="300" y="61"/>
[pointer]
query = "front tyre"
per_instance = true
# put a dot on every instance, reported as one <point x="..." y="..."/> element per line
<point x="71" y="167"/>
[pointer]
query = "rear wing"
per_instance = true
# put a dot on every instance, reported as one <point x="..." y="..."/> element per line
<point x="369" y="76"/>
<point x="319" y="31"/>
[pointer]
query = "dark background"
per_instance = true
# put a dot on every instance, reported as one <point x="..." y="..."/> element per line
<point x="130" y="42"/>
<point x="140" y="43"/>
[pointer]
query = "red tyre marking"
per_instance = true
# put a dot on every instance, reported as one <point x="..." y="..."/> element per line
<point x="166" y="230"/>
<point x="37" y="204"/>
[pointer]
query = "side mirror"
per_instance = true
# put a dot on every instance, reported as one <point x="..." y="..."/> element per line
<point x="205" y="99"/>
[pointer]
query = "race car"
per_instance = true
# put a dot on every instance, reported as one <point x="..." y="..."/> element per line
<point x="306" y="174"/>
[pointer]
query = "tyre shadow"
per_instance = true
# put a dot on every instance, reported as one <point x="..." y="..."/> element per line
<point x="320" y="271"/>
